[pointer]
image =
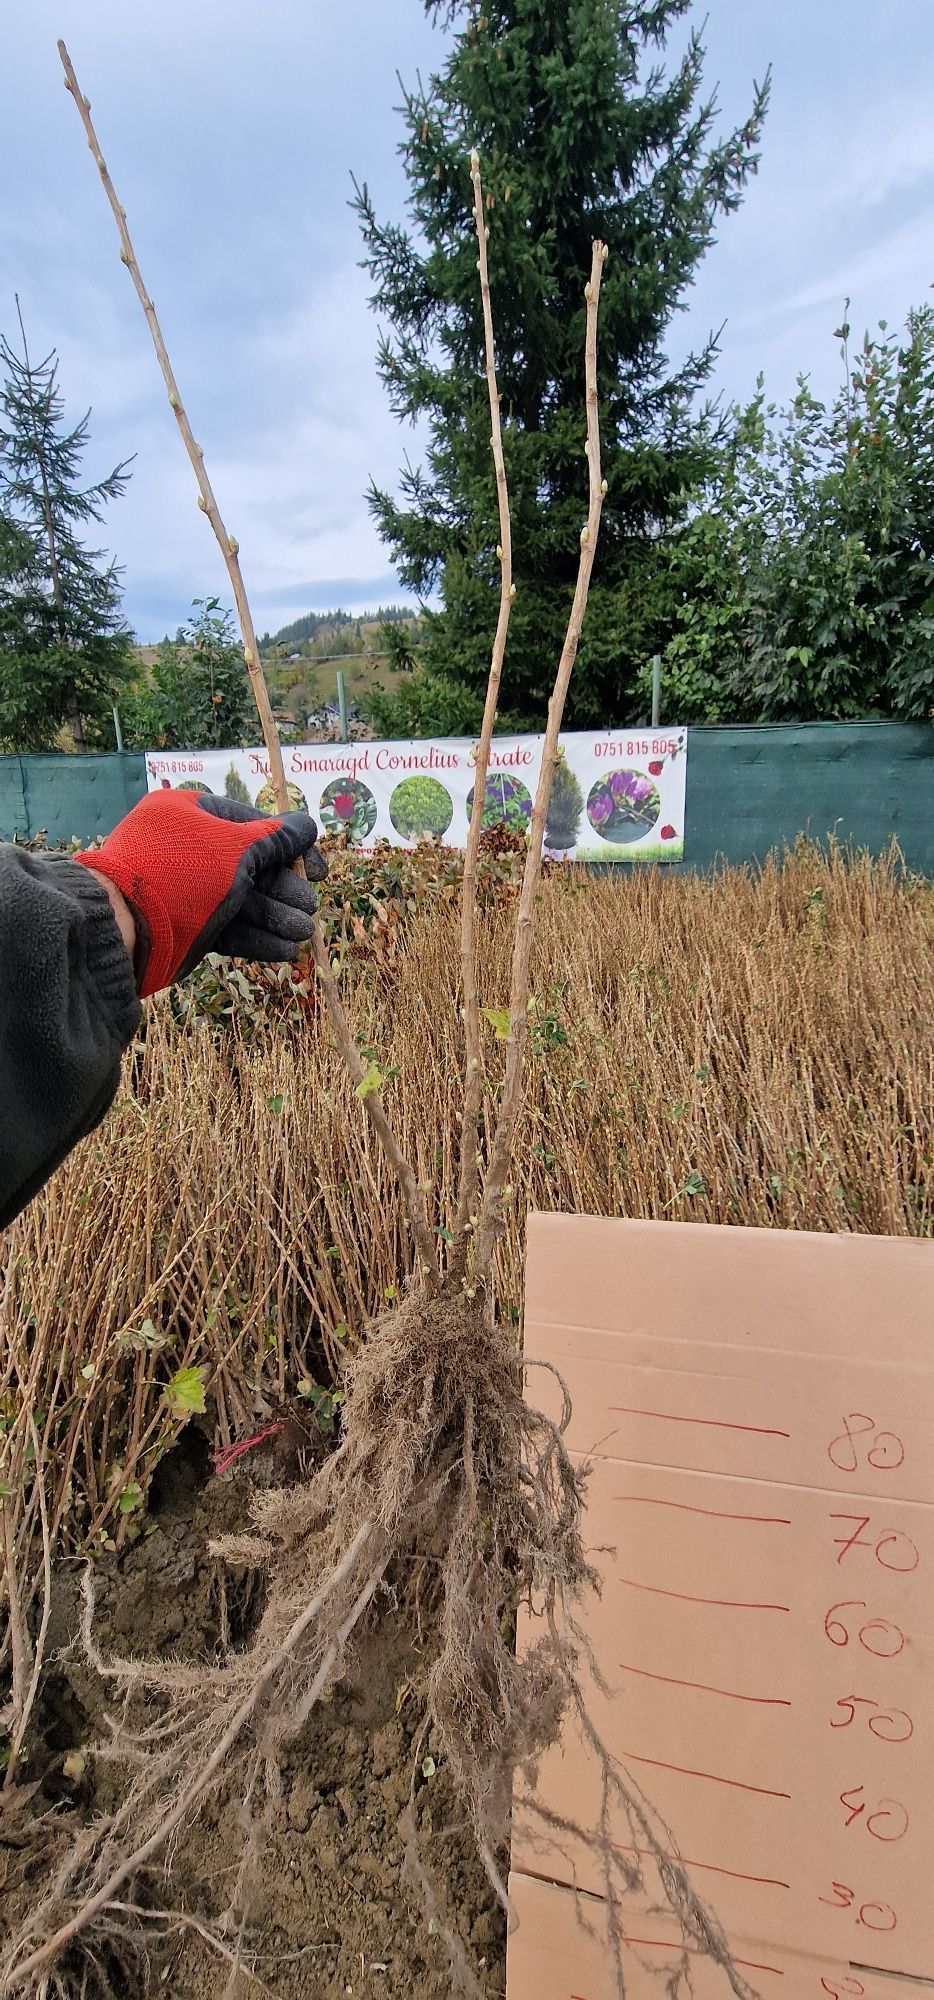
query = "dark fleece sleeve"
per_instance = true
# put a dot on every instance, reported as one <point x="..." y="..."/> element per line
<point x="68" y="1009"/>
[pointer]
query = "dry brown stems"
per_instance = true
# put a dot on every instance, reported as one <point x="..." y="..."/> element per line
<point x="769" y="1036"/>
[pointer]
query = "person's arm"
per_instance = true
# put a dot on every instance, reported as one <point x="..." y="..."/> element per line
<point x="82" y="940"/>
<point x="68" y="1009"/>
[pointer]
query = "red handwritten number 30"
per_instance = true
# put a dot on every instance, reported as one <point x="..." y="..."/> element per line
<point x="872" y="1916"/>
<point x="885" y="1452"/>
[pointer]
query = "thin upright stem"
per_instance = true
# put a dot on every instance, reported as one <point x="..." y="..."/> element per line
<point x="491" y="1222"/>
<point x="413" y="1196"/>
<point x="473" y="1083"/>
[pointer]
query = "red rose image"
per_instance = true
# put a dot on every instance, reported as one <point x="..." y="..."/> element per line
<point x="344" y="803"/>
<point x="656" y="769"/>
<point x="667" y="833"/>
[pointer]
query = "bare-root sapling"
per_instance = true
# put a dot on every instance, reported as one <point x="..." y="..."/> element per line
<point x="441" y="1453"/>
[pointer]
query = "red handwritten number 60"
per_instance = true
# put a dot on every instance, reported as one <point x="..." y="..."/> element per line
<point x="861" y="1443"/>
<point x="878" y="1635"/>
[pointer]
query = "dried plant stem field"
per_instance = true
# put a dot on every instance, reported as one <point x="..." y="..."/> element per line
<point x="745" y="1048"/>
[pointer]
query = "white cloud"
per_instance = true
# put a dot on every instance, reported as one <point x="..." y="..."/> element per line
<point x="231" y="129"/>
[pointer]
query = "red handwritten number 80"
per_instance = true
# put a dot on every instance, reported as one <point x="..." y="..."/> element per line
<point x="861" y="1443"/>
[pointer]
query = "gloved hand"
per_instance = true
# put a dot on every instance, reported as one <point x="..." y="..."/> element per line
<point x="203" y="873"/>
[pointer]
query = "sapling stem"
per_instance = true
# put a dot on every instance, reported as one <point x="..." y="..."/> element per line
<point x="413" y="1196"/>
<point x="473" y="1082"/>
<point x="491" y="1222"/>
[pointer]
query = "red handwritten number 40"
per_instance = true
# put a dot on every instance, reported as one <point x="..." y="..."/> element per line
<point x="887" y="1821"/>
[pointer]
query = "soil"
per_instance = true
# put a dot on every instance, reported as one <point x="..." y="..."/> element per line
<point x="329" y="1913"/>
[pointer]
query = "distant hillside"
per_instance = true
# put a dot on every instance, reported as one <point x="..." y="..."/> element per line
<point x="301" y="660"/>
<point x="314" y="622"/>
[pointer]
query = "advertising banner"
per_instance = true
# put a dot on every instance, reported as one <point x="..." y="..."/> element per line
<point x="617" y="796"/>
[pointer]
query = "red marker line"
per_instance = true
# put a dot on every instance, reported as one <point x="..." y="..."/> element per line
<point x="708" y="1867"/>
<point x="710" y="1513"/>
<point x="709" y="1423"/>
<point x="684" y="1771"/>
<point x="703" y="1687"/>
<point x="668" y="1944"/>
<point x="684" y="1597"/>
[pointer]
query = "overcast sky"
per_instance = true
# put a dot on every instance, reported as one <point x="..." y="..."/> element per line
<point x="231" y="130"/>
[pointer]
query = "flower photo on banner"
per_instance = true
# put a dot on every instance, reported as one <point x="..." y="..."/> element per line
<point x="348" y="806"/>
<point x="506" y="802"/>
<point x="623" y="806"/>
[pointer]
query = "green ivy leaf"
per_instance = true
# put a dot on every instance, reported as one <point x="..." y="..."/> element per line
<point x="185" y="1393"/>
<point x="131" y="1499"/>
<point x="498" y="1018"/>
<point x="695" y="1184"/>
<point x="370" y="1081"/>
<point x="274" y="1104"/>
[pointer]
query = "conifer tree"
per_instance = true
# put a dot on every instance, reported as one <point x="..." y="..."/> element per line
<point x="65" y="652"/>
<point x="583" y="132"/>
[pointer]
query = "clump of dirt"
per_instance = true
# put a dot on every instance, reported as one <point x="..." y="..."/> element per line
<point x="328" y="1913"/>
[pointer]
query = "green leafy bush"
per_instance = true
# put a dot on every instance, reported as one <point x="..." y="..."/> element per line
<point x="421" y="805"/>
<point x="268" y="803"/>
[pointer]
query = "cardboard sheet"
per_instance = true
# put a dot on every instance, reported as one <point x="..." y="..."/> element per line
<point x="757" y="1408"/>
<point x="563" y="1956"/>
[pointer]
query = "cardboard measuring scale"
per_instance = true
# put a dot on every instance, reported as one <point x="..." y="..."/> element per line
<point x="757" y="1410"/>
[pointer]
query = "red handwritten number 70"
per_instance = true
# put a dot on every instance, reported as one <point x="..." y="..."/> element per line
<point x="892" y="1547"/>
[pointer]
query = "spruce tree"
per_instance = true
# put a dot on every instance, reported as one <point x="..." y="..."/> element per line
<point x="65" y="652"/>
<point x="581" y="133"/>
